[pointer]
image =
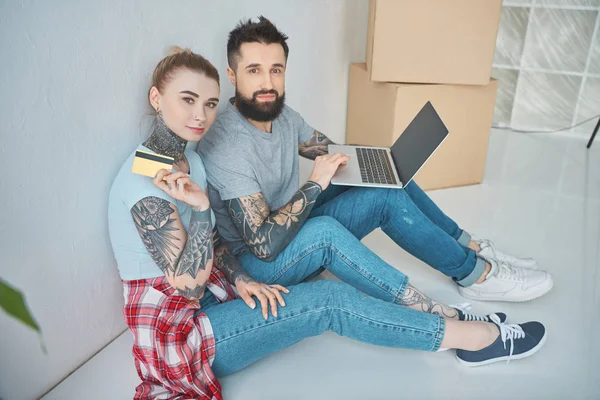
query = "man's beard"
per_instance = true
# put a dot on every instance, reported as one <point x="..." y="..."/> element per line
<point x="260" y="111"/>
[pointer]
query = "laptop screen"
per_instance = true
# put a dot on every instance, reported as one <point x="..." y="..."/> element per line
<point x="418" y="142"/>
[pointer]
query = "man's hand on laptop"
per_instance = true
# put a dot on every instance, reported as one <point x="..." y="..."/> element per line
<point x="325" y="167"/>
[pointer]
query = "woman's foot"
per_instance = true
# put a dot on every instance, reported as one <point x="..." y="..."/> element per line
<point x="513" y="342"/>
<point x="464" y="314"/>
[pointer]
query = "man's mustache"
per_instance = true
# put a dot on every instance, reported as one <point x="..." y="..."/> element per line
<point x="263" y="92"/>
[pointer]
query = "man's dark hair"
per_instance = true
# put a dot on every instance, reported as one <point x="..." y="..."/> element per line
<point x="262" y="31"/>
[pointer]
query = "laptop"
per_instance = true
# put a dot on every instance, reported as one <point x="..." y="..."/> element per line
<point x="393" y="167"/>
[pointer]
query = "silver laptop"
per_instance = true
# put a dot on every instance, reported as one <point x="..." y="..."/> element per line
<point x="393" y="167"/>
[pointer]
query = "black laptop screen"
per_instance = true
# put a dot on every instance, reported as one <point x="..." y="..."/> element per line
<point x="416" y="144"/>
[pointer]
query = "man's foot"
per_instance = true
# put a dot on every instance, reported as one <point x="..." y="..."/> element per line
<point x="464" y="315"/>
<point x="489" y="251"/>
<point x="509" y="283"/>
<point x="514" y="342"/>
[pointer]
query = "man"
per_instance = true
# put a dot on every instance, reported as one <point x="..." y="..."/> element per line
<point x="284" y="234"/>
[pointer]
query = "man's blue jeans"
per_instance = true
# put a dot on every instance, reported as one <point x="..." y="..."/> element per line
<point x="411" y="219"/>
<point x="330" y="239"/>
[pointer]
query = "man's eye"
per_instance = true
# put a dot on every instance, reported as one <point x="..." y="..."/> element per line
<point x="253" y="71"/>
<point x="277" y="71"/>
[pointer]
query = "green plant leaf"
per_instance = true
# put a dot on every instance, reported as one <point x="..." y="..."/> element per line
<point x="12" y="301"/>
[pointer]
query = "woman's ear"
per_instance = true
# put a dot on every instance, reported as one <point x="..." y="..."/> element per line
<point x="154" y="98"/>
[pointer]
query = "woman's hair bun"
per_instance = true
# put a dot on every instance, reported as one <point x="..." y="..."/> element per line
<point x="176" y="50"/>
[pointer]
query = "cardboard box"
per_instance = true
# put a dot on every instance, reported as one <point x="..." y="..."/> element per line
<point x="378" y="113"/>
<point x="432" y="41"/>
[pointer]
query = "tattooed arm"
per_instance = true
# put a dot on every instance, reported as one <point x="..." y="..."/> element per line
<point x="315" y="146"/>
<point x="229" y="265"/>
<point x="186" y="258"/>
<point x="265" y="233"/>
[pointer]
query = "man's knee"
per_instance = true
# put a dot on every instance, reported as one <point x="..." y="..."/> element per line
<point x="382" y="197"/>
<point x="323" y="225"/>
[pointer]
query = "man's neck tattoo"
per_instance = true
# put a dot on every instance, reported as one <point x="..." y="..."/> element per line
<point x="164" y="141"/>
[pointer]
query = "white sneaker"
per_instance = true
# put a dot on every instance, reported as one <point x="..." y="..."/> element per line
<point x="509" y="283"/>
<point x="489" y="251"/>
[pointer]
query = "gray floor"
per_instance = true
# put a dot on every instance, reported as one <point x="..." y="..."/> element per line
<point x="541" y="198"/>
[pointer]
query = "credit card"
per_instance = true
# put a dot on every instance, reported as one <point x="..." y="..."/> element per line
<point x="148" y="164"/>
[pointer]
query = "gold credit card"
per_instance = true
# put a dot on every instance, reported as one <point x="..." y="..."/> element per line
<point x="149" y="164"/>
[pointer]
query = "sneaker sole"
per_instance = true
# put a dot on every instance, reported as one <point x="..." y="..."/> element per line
<point x="506" y="358"/>
<point x="529" y="297"/>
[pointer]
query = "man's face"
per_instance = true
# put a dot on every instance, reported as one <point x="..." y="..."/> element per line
<point x="260" y="81"/>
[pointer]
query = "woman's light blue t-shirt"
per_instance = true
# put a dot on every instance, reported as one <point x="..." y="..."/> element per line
<point x="133" y="260"/>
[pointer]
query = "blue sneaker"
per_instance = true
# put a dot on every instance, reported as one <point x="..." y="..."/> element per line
<point x="464" y="314"/>
<point x="523" y="340"/>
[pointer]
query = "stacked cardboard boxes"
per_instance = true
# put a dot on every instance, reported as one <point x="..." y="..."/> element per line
<point x="428" y="50"/>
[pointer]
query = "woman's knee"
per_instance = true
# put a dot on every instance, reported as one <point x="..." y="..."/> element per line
<point x="334" y="293"/>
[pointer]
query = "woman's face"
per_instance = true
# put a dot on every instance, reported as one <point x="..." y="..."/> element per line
<point x="188" y="103"/>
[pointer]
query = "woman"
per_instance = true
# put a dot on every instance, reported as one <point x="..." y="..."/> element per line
<point x="188" y="326"/>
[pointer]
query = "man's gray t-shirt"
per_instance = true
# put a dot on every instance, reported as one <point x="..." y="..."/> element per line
<point x="241" y="160"/>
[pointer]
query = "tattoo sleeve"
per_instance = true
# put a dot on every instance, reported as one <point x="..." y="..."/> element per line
<point x="181" y="255"/>
<point x="265" y="233"/>
<point x="315" y="146"/>
<point x="413" y="298"/>
<point x="229" y="265"/>
<point x="198" y="248"/>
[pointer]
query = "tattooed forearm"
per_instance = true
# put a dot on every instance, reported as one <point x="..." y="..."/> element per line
<point x="315" y="146"/>
<point x="180" y="255"/>
<point x="267" y="234"/>
<point x="229" y="265"/>
<point x="413" y="298"/>
<point x="198" y="248"/>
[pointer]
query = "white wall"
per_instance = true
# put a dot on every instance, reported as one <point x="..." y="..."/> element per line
<point x="73" y="81"/>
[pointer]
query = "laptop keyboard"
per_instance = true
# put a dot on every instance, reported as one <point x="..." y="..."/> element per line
<point x="375" y="166"/>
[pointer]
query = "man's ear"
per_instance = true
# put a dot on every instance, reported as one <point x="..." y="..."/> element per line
<point x="231" y="75"/>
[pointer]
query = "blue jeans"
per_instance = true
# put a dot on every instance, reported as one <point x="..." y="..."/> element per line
<point x="411" y="219"/>
<point x="243" y="336"/>
<point x="330" y="239"/>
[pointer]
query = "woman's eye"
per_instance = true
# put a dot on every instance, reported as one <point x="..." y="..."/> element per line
<point x="211" y="104"/>
<point x="188" y="100"/>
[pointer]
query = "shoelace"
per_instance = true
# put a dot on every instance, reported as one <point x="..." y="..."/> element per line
<point x="506" y="271"/>
<point x="505" y="268"/>
<point x="508" y="332"/>
<point x="483" y="243"/>
<point x="465" y="307"/>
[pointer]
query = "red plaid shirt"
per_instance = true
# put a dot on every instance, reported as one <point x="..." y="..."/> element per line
<point x="173" y="346"/>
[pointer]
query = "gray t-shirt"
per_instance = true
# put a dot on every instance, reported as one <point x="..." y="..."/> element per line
<point x="241" y="160"/>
